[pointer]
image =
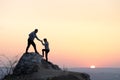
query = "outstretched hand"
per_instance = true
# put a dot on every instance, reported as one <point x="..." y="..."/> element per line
<point x="42" y="42"/>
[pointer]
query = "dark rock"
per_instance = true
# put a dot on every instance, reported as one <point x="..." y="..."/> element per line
<point x="85" y="76"/>
<point x="32" y="66"/>
<point x="49" y="65"/>
<point x="32" y="62"/>
<point x="65" y="77"/>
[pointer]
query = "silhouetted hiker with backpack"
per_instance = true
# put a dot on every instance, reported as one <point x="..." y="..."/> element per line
<point x="31" y="38"/>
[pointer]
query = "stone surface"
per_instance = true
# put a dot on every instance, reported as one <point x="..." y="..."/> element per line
<point x="32" y="62"/>
<point x="32" y="66"/>
<point x="65" y="77"/>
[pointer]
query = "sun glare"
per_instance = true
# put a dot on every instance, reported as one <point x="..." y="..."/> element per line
<point x="92" y="66"/>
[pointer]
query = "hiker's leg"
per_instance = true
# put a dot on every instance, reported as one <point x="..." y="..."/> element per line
<point x="34" y="45"/>
<point x="28" y="45"/>
<point x="46" y="54"/>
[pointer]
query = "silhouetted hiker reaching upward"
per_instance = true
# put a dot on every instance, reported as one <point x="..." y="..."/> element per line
<point x="31" y="38"/>
<point x="46" y="49"/>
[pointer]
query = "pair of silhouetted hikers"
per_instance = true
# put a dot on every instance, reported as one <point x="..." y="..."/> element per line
<point x="31" y="38"/>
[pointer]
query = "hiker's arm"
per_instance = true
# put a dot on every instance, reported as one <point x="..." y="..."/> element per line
<point x="38" y="39"/>
<point x="42" y="42"/>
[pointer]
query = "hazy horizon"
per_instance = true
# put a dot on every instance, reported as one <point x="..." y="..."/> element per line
<point x="100" y="73"/>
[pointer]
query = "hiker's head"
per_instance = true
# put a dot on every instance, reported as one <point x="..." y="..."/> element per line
<point x="36" y="30"/>
<point x="45" y="39"/>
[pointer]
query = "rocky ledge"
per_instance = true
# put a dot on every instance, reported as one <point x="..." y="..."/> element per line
<point x="32" y="66"/>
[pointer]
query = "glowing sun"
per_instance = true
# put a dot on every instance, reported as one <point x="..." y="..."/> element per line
<point x="92" y="66"/>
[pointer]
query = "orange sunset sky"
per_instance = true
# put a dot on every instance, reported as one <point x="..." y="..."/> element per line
<point x="80" y="32"/>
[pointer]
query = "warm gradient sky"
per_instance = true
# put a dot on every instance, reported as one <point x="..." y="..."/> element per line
<point x="80" y="32"/>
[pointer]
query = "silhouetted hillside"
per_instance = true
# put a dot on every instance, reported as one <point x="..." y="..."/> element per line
<point x="32" y="66"/>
